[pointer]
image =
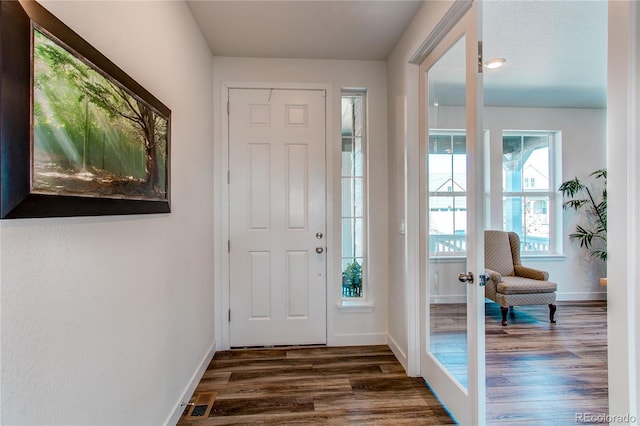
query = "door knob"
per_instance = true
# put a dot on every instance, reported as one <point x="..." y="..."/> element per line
<point x="466" y="278"/>
<point x="319" y="250"/>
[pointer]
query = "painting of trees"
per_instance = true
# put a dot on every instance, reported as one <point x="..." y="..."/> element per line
<point x="92" y="136"/>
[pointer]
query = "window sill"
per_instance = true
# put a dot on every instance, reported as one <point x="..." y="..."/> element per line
<point x="544" y="257"/>
<point x="355" y="306"/>
<point x="533" y="257"/>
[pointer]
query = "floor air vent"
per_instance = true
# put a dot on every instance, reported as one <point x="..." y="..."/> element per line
<point x="201" y="406"/>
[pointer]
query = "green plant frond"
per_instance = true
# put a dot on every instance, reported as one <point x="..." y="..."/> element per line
<point x="600" y="173"/>
<point x="574" y="204"/>
<point x="595" y="207"/>
<point x="571" y="187"/>
<point x="600" y="254"/>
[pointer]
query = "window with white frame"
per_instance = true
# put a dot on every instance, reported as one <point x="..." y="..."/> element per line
<point x="529" y="162"/>
<point x="447" y="178"/>
<point x="353" y="201"/>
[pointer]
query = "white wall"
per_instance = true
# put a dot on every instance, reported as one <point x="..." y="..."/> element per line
<point x="342" y="327"/>
<point x="403" y="92"/>
<point x="105" y="320"/>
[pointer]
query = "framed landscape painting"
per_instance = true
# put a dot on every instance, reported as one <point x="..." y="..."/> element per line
<point x="78" y="135"/>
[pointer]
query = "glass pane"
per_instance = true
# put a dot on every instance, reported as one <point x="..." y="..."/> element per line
<point x="358" y="115"/>
<point x="357" y="197"/>
<point x="525" y="163"/>
<point x="512" y="163"/>
<point x="347" y="116"/>
<point x="513" y="214"/>
<point x="358" y="157"/>
<point x="358" y="237"/>
<point x="460" y="216"/>
<point x="348" y="249"/>
<point x="441" y="215"/>
<point x="347" y="197"/>
<point x="447" y="215"/>
<point x="459" y="172"/>
<point x="536" y="170"/>
<point x="347" y="157"/>
<point x="529" y="218"/>
<point x="440" y="173"/>
<point x="352" y="278"/>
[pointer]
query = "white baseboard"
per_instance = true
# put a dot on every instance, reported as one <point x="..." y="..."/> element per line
<point x="191" y="387"/>
<point x="581" y="296"/>
<point x="398" y="352"/>
<point x="358" y="339"/>
<point x="449" y="298"/>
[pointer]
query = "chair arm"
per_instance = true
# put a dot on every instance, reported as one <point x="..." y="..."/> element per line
<point x="493" y="275"/>
<point x="534" y="274"/>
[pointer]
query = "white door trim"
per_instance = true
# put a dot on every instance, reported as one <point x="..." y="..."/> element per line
<point x="623" y="154"/>
<point x="221" y="262"/>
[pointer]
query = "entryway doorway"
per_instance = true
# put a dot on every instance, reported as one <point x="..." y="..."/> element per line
<point x="277" y="217"/>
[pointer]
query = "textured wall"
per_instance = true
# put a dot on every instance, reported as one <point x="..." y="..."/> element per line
<point x="105" y="320"/>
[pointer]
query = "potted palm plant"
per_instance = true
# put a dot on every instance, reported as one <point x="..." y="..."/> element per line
<point x="590" y="197"/>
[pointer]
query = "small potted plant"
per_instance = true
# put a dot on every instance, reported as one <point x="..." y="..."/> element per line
<point x="352" y="280"/>
<point x="592" y="199"/>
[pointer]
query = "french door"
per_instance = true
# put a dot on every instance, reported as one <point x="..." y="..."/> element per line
<point x="452" y="224"/>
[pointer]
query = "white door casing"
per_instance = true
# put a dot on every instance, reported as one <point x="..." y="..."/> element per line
<point x="277" y="222"/>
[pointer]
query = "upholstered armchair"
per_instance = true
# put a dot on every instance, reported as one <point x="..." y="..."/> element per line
<point x="509" y="283"/>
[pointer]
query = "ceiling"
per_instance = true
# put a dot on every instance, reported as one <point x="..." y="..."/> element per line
<point x="555" y="50"/>
<point x="303" y="29"/>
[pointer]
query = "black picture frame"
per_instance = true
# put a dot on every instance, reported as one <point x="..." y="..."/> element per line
<point x="18" y="22"/>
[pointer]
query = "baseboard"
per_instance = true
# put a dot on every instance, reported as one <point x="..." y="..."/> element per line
<point x="359" y="339"/>
<point x="191" y="387"/>
<point x="398" y="352"/>
<point x="579" y="296"/>
<point x="449" y="298"/>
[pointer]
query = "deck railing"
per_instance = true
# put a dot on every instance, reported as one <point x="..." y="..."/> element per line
<point x="450" y="244"/>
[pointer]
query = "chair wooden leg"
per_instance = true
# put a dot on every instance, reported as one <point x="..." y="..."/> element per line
<point x="552" y="312"/>
<point x="503" y="311"/>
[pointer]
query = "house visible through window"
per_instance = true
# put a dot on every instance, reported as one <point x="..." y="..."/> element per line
<point x="353" y="203"/>
<point x="528" y="186"/>
<point x="447" y="177"/>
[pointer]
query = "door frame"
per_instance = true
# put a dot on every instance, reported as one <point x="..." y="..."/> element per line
<point x="221" y="261"/>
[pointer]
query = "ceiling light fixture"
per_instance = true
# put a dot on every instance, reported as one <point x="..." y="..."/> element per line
<point x="495" y="63"/>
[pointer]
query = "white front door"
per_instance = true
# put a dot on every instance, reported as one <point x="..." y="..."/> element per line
<point x="452" y="311"/>
<point x="277" y="257"/>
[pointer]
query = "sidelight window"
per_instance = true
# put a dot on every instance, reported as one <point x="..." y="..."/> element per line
<point x="353" y="201"/>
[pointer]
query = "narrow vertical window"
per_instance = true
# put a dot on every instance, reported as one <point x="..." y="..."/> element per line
<point x="353" y="203"/>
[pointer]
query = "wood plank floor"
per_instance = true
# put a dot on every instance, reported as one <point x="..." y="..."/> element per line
<point x="340" y="385"/>
<point x="537" y="373"/>
<point x="542" y="373"/>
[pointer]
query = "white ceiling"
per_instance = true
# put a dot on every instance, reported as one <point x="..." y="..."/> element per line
<point x="555" y="50"/>
<point x="303" y="29"/>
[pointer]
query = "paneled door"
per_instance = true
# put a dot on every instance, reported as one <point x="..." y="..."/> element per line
<point x="277" y="259"/>
<point x="452" y="303"/>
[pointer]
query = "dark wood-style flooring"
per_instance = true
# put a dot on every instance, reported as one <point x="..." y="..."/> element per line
<point x="537" y="373"/>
